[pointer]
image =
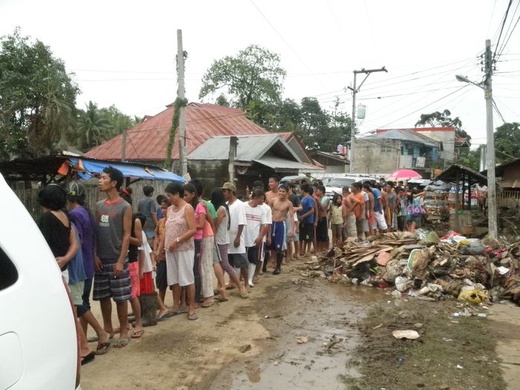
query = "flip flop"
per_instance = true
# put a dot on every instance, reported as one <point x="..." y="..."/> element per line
<point x="120" y="343"/>
<point x="137" y="334"/>
<point x="244" y="295"/>
<point x="102" y="348"/>
<point x="193" y="317"/>
<point x="222" y="299"/>
<point x="207" y="304"/>
<point x="88" y="358"/>
<point x="93" y="339"/>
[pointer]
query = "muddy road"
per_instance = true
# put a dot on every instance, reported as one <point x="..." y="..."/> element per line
<point x="292" y="330"/>
<point x="296" y="332"/>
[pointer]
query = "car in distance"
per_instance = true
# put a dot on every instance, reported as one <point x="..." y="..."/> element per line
<point x="38" y="334"/>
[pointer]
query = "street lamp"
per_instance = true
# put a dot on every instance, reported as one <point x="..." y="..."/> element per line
<point x="490" y="148"/>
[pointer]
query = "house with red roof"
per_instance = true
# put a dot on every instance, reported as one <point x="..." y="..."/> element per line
<point x="147" y="143"/>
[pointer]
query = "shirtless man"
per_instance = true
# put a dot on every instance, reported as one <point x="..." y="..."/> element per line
<point x="273" y="189"/>
<point x="282" y="208"/>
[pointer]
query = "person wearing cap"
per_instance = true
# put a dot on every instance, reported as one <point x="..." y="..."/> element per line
<point x="237" y="250"/>
<point x="86" y="227"/>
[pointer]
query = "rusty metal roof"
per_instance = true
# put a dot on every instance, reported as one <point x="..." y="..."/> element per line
<point x="147" y="141"/>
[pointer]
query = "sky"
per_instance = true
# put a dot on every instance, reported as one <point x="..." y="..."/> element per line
<point x="122" y="53"/>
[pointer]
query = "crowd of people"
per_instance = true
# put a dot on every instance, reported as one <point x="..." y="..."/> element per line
<point x="182" y="243"/>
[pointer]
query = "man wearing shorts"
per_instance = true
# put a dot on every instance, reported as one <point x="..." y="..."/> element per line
<point x="112" y="279"/>
<point x="282" y="208"/>
<point x="237" y="249"/>
<point x="306" y="219"/>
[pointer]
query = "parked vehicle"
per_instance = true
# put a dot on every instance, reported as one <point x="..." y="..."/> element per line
<point x="38" y="335"/>
<point x="299" y="179"/>
<point x="336" y="184"/>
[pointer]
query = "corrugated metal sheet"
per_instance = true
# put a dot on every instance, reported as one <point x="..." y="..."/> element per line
<point x="404" y="135"/>
<point x="248" y="147"/>
<point x="148" y="140"/>
<point x="278" y="163"/>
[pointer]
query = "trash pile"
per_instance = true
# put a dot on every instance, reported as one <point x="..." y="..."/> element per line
<point x="427" y="266"/>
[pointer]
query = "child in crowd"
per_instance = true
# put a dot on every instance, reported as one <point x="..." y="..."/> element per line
<point x="336" y="220"/>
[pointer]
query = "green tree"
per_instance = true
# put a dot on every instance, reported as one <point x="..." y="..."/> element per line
<point x="117" y="122"/>
<point x="470" y="158"/>
<point x="37" y="99"/>
<point x="91" y="126"/>
<point x="443" y="119"/>
<point x="507" y="142"/>
<point x="252" y="75"/>
<point x="314" y="127"/>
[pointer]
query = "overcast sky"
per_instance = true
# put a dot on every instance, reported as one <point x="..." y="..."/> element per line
<point x="123" y="51"/>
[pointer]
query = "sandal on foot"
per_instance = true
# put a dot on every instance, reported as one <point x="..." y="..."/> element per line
<point x="120" y="343"/>
<point x="244" y="295"/>
<point x="193" y="317"/>
<point x="137" y="334"/>
<point x="207" y="304"/>
<point x="88" y="358"/>
<point x="102" y="348"/>
<point x="222" y="299"/>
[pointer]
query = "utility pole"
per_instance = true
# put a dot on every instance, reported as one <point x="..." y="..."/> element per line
<point x="355" y="90"/>
<point x="182" y="108"/>
<point x="490" y="148"/>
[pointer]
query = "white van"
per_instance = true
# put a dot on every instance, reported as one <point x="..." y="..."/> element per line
<point x="38" y="335"/>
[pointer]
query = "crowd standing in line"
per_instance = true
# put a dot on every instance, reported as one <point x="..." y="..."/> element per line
<point x="181" y="242"/>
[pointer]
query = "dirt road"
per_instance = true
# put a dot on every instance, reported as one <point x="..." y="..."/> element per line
<point x="295" y="332"/>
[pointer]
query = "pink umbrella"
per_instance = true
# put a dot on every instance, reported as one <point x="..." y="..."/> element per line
<point x="404" y="174"/>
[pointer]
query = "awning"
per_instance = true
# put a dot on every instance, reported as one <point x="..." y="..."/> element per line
<point x="281" y="164"/>
<point x="87" y="168"/>
<point x="38" y="169"/>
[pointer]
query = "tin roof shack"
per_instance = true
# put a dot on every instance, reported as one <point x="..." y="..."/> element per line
<point x="464" y="219"/>
<point x="256" y="158"/>
<point x="508" y="195"/>
<point x="333" y="162"/>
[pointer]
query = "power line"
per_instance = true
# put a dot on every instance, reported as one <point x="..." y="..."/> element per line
<point x="502" y="28"/>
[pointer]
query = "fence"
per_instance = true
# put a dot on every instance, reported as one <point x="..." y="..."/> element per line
<point x="508" y="198"/>
<point x="29" y="196"/>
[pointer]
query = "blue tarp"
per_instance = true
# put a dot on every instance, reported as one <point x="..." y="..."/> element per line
<point x="88" y="168"/>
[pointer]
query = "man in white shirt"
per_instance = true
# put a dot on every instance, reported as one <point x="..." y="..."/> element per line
<point x="255" y="231"/>
<point x="237" y="249"/>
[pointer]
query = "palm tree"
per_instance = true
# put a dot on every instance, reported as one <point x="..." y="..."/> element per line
<point x="91" y="127"/>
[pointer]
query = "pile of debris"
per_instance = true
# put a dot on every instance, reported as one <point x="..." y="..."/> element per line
<point x="422" y="264"/>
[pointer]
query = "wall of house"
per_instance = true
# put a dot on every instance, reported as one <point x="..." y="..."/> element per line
<point x="511" y="172"/>
<point x="447" y="137"/>
<point x="211" y="173"/>
<point x="376" y="157"/>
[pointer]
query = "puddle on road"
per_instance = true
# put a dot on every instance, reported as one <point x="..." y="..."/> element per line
<point x="326" y="315"/>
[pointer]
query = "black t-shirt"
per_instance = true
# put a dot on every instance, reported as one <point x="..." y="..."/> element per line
<point x="295" y="200"/>
<point x="56" y="234"/>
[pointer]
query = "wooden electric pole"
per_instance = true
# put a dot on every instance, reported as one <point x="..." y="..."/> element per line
<point x="355" y="89"/>
<point x="182" y="108"/>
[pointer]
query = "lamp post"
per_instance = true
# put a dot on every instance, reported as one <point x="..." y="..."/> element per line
<point x="486" y="85"/>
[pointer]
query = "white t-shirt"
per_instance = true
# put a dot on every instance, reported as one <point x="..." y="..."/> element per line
<point x="147" y="266"/>
<point x="237" y="214"/>
<point x="255" y="220"/>
<point x="268" y="217"/>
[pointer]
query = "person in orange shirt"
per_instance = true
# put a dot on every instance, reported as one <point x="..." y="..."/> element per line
<point x="358" y="208"/>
